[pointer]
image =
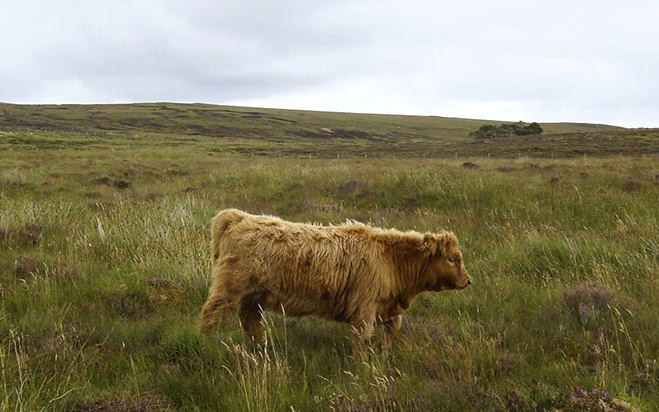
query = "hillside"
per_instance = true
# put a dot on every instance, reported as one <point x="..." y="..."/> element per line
<point x="321" y="134"/>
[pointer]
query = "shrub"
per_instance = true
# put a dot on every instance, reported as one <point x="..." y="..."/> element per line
<point x="488" y="131"/>
<point x="588" y="300"/>
<point x="26" y="267"/>
<point x="29" y="234"/>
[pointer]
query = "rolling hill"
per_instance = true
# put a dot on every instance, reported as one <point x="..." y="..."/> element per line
<point x="322" y="134"/>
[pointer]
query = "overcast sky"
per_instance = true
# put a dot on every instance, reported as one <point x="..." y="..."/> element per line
<point x="533" y="60"/>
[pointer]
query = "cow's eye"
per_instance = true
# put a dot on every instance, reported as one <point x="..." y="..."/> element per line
<point x="452" y="260"/>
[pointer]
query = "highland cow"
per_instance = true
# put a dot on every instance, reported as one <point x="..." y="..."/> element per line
<point x="350" y="273"/>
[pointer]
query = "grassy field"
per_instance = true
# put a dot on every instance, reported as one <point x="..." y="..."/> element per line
<point x="104" y="266"/>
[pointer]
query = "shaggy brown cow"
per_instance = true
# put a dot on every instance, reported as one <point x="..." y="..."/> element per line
<point x="350" y="273"/>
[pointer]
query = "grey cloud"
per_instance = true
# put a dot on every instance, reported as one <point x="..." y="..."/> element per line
<point x="472" y="58"/>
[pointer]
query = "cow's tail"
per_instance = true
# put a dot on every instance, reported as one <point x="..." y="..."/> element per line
<point x="219" y="224"/>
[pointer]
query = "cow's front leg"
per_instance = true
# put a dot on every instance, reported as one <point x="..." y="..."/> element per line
<point x="391" y="328"/>
<point x="362" y="329"/>
<point x="251" y="318"/>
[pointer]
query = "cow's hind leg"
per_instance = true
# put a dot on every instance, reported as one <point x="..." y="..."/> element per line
<point x="251" y="317"/>
<point x="215" y="310"/>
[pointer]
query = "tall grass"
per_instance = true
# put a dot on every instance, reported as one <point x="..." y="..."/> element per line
<point x="104" y="267"/>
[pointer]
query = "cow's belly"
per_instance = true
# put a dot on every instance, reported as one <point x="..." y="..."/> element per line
<point x="300" y="305"/>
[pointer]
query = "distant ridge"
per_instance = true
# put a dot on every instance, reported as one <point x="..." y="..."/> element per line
<point x="227" y="121"/>
<point x="323" y="134"/>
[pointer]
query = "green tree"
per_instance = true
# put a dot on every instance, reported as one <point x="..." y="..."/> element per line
<point x="534" y="128"/>
<point x="486" y="131"/>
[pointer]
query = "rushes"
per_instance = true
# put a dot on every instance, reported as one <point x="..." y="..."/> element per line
<point x="14" y="379"/>
<point x="165" y="232"/>
<point x="262" y="373"/>
<point x="25" y="386"/>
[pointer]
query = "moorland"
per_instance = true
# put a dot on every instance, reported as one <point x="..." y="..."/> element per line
<point x="104" y="260"/>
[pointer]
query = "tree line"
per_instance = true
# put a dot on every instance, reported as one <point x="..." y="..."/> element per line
<point x="488" y="131"/>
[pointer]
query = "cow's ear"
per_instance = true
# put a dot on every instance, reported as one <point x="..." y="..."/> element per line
<point x="431" y="244"/>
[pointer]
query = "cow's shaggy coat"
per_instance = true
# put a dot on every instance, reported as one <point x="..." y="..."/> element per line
<point x="350" y="273"/>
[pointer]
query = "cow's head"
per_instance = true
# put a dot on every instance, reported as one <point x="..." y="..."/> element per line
<point x="445" y="269"/>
